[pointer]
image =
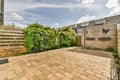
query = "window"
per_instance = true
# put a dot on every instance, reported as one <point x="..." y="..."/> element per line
<point x="84" y="24"/>
<point x="99" y="22"/>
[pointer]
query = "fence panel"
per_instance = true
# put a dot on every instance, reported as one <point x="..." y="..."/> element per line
<point x="11" y="37"/>
<point x="11" y="41"/>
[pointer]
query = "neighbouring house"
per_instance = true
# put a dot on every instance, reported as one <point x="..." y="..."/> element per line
<point x="99" y="33"/>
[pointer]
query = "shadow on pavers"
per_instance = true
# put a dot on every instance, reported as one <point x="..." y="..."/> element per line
<point x="92" y="52"/>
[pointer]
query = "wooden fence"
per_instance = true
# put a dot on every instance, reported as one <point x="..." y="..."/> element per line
<point x="11" y="37"/>
<point x="11" y="41"/>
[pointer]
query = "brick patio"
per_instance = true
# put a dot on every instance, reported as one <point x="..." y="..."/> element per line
<point x="60" y="64"/>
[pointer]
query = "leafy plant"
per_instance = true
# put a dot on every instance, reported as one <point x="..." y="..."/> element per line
<point x="39" y="38"/>
<point x="20" y="54"/>
<point x="116" y="58"/>
<point x="111" y="50"/>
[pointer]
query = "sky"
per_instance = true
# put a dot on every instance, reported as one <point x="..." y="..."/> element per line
<point x="57" y="13"/>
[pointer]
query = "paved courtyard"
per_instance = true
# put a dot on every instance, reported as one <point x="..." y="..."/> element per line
<point x="60" y="64"/>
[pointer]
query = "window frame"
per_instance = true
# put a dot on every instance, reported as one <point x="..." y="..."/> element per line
<point x="85" y="24"/>
<point x="99" y="22"/>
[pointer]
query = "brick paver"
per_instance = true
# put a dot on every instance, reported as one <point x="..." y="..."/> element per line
<point x="60" y="64"/>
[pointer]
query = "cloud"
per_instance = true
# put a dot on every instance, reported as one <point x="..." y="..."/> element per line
<point x="114" y="6"/>
<point x="85" y="18"/>
<point x="44" y="11"/>
<point x="78" y="0"/>
<point x="87" y="2"/>
<point x="16" y="16"/>
<point x="57" y="25"/>
<point x="10" y="7"/>
<point x="19" y="25"/>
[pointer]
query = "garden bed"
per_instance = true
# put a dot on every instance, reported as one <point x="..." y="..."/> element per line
<point x="116" y="61"/>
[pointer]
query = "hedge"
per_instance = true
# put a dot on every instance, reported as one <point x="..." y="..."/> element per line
<point x="40" y="38"/>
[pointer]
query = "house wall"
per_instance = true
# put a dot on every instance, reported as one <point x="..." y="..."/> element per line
<point x="95" y="37"/>
<point x="97" y="32"/>
<point x="99" y="38"/>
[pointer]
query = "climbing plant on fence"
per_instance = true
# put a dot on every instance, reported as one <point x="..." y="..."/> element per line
<point x="40" y="38"/>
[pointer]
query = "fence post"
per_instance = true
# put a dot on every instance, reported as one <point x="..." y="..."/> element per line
<point x="118" y="38"/>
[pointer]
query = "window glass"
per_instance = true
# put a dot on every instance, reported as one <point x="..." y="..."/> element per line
<point x="101" y="21"/>
<point x="84" y="24"/>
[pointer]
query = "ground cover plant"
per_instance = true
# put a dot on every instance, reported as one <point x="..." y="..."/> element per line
<point x="116" y="58"/>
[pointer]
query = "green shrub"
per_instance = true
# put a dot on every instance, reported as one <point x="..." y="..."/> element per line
<point x="67" y="37"/>
<point x="111" y="50"/>
<point x="21" y="54"/>
<point x="39" y="38"/>
<point x="116" y="58"/>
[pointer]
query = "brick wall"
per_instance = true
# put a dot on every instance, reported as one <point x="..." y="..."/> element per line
<point x="11" y="41"/>
<point x="100" y="36"/>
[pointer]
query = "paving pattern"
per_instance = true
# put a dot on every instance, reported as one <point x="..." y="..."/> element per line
<point x="60" y="64"/>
